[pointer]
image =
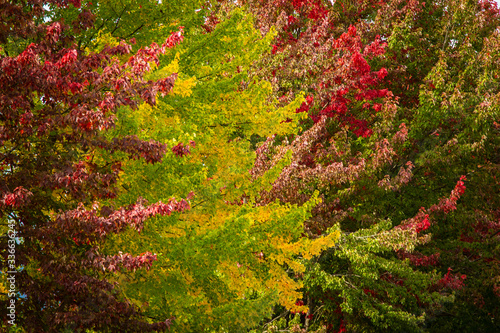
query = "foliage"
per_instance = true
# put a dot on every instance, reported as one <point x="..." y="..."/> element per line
<point x="58" y="101"/>
<point x="410" y="95"/>
<point x="338" y="159"/>
<point x="222" y="264"/>
<point x="91" y="130"/>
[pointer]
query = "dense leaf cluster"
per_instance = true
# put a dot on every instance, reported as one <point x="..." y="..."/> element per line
<point x="339" y="162"/>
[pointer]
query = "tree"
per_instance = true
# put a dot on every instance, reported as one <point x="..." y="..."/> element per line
<point x="58" y="101"/>
<point x="380" y="160"/>
<point x="84" y="137"/>
<point x="373" y="155"/>
<point x="455" y="132"/>
<point x="222" y="264"/>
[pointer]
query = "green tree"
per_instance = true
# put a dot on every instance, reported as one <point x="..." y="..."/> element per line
<point x="222" y="265"/>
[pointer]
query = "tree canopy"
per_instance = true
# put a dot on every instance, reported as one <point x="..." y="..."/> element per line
<point x="235" y="166"/>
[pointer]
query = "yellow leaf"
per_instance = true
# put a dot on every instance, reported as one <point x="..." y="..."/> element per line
<point x="184" y="87"/>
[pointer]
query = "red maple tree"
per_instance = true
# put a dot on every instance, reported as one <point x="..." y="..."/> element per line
<point x="56" y="103"/>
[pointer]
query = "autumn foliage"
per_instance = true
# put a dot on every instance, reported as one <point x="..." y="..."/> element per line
<point x="298" y="166"/>
<point x="57" y="102"/>
<point x="391" y="131"/>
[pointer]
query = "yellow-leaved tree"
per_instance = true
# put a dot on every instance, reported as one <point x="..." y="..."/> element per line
<point x="224" y="263"/>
